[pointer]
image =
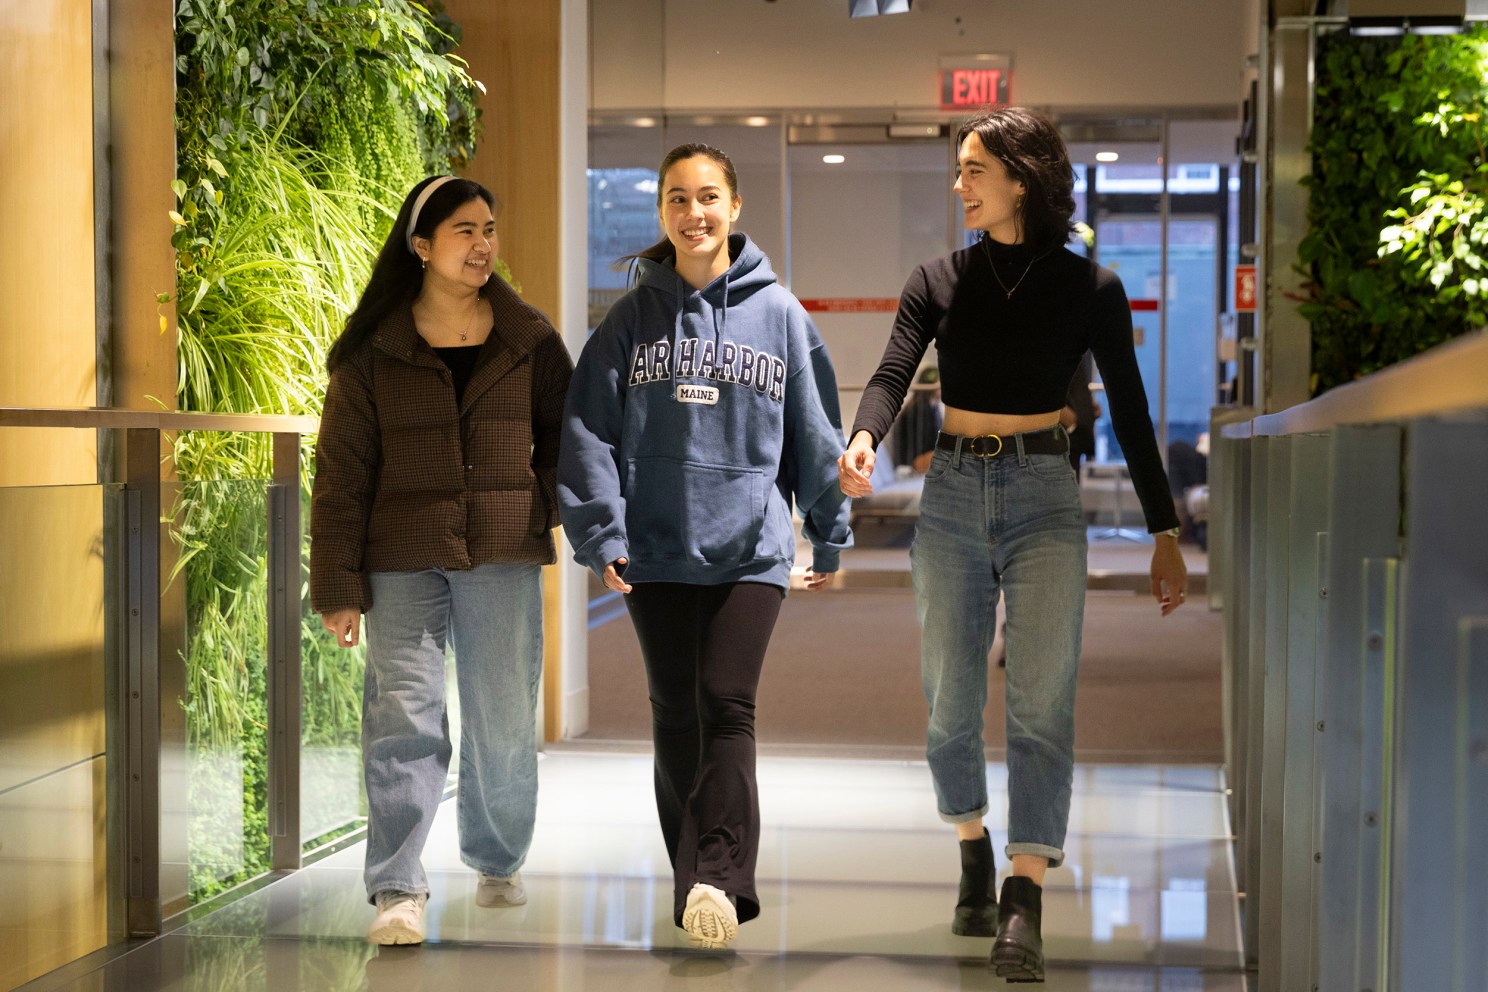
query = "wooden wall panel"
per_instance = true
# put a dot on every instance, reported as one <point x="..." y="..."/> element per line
<point x="515" y="49"/>
<point x="142" y="153"/>
<point x="48" y="324"/>
<point x="52" y="839"/>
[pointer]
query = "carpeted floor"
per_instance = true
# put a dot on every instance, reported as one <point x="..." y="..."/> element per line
<point x="843" y="670"/>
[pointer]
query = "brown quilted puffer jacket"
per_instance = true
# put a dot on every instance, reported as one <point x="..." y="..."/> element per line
<point x="405" y="481"/>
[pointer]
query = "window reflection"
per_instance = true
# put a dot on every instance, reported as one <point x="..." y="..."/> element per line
<point x="1184" y="910"/>
<point x="1110" y="906"/>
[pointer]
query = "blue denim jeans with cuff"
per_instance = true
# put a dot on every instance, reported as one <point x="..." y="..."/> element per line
<point x="1010" y="526"/>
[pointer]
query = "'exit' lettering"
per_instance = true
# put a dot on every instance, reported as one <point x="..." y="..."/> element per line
<point x="972" y="88"/>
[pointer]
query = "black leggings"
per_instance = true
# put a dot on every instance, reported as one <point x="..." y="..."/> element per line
<point x="704" y="646"/>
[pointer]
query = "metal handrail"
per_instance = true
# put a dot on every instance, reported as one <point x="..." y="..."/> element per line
<point x="162" y="420"/>
<point x="1450" y="378"/>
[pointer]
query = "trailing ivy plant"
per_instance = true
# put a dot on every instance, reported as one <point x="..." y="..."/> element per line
<point x="1396" y="240"/>
<point x="300" y="126"/>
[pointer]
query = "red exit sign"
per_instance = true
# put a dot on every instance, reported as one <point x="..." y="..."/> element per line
<point x="973" y="88"/>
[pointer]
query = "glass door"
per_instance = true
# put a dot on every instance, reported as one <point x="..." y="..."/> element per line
<point x="1176" y="320"/>
<point x="1180" y="389"/>
<point x="862" y="215"/>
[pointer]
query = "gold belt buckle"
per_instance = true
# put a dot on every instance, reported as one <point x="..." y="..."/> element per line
<point x="998" y="438"/>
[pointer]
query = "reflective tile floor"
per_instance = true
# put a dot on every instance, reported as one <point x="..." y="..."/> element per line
<point x="857" y="876"/>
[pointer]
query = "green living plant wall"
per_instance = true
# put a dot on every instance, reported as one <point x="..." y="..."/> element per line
<point x="1397" y="235"/>
<point x="300" y="125"/>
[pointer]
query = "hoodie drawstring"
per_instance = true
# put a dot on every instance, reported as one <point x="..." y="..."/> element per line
<point x="720" y="316"/>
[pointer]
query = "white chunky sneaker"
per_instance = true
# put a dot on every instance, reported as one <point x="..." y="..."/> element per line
<point x="710" y="919"/>
<point x="501" y="890"/>
<point x="400" y="918"/>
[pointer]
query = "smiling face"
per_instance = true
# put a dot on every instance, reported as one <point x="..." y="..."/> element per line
<point x="460" y="251"/>
<point x="992" y="199"/>
<point x="697" y="213"/>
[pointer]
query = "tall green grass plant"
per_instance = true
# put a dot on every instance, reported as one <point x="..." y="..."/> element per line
<point x="300" y="126"/>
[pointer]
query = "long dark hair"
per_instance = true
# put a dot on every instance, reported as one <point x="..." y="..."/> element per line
<point x="1029" y="146"/>
<point x="397" y="276"/>
<point x="664" y="250"/>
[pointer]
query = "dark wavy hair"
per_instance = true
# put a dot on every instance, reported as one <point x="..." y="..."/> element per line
<point x="664" y="250"/>
<point x="1029" y="146"/>
<point x="397" y="275"/>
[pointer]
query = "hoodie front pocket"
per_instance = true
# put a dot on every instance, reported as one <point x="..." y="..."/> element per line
<point x="683" y="509"/>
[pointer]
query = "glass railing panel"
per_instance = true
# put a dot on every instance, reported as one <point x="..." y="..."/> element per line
<point x="213" y="713"/>
<point x="332" y="798"/>
<point x="55" y="759"/>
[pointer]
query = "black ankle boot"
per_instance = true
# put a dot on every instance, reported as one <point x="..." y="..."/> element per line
<point x="1018" y="952"/>
<point x="976" y="906"/>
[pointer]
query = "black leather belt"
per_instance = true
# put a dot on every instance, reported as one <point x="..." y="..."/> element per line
<point x="1049" y="441"/>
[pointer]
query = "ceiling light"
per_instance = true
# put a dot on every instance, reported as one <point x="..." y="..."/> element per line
<point x="1435" y="25"/>
<point x="834" y="159"/>
<point x="1106" y="156"/>
<point x="872" y="8"/>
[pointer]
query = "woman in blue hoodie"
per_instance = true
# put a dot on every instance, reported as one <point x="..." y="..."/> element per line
<point x="702" y="406"/>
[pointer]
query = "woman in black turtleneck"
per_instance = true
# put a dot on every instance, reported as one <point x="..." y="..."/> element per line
<point x="1010" y="317"/>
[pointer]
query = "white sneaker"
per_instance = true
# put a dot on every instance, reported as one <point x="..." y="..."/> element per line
<point x="400" y="918"/>
<point x="501" y="890"/>
<point x="710" y="919"/>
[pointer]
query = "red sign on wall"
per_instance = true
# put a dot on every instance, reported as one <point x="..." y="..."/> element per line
<point x="974" y="82"/>
<point x="850" y="304"/>
<point x="1245" y="288"/>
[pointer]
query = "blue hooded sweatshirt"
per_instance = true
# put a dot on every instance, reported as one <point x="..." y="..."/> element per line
<point x="693" y="418"/>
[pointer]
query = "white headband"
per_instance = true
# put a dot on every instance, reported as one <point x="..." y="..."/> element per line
<point x="418" y="205"/>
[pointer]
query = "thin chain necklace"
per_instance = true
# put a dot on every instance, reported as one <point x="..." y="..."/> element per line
<point x="469" y="324"/>
<point x="988" y="249"/>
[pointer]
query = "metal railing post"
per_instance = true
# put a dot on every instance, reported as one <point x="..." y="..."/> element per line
<point x="141" y="689"/>
<point x="284" y="690"/>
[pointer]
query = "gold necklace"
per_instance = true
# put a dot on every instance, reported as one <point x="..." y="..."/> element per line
<point x="988" y="249"/>
<point x="469" y="324"/>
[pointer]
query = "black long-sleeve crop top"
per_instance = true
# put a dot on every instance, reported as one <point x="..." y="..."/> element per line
<point x="1016" y="353"/>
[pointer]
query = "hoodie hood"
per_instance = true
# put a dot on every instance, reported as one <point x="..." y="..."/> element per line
<point x="748" y="272"/>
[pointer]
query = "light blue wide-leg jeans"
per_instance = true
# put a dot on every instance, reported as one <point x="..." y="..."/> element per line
<point x="1008" y="526"/>
<point x="492" y="617"/>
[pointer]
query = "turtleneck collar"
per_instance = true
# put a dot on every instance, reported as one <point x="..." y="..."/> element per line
<point x="1021" y="252"/>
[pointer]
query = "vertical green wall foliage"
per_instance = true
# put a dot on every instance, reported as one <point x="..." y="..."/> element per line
<point x="1397" y="135"/>
<point x="300" y="125"/>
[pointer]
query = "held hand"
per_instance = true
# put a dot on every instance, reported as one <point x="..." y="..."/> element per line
<point x="818" y="580"/>
<point x="1169" y="575"/>
<point x="855" y="466"/>
<point x="345" y="624"/>
<point x="612" y="578"/>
